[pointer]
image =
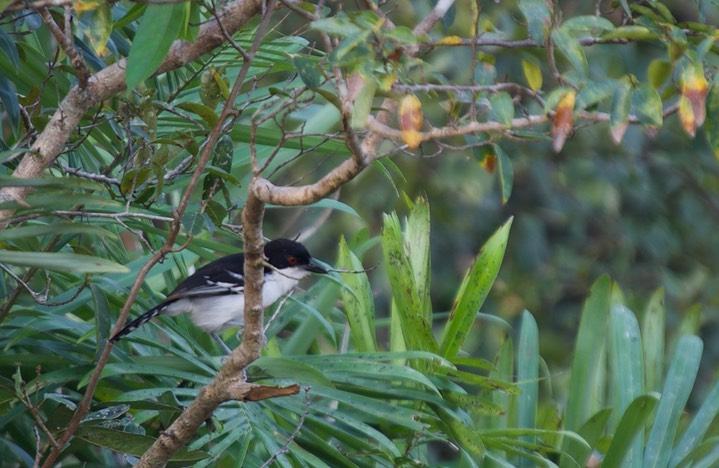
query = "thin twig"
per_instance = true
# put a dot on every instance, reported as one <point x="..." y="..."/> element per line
<point x="25" y="399"/>
<point x="277" y="310"/>
<point x="64" y="39"/>
<point x="285" y="447"/>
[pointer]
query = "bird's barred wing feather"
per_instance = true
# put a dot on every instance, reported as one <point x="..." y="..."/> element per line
<point x="221" y="277"/>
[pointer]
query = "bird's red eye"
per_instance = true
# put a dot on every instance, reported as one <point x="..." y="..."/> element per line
<point x="292" y="260"/>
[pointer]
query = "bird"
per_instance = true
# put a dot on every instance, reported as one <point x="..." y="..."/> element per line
<point x="214" y="295"/>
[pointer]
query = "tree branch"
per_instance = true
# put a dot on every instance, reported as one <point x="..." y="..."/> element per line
<point x="107" y="83"/>
<point x="229" y="383"/>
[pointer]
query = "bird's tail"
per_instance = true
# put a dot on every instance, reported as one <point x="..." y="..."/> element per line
<point x="138" y="322"/>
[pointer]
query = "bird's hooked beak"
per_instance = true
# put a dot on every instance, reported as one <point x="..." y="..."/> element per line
<point x="315" y="267"/>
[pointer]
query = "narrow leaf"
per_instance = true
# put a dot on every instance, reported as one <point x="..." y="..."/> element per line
<point x="473" y="291"/>
<point x="653" y="339"/>
<point x="538" y="17"/>
<point x="357" y="299"/>
<point x="693" y="435"/>
<point x="589" y="351"/>
<point x="505" y="172"/>
<point x="417" y="331"/>
<point x="528" y="373"/>
<point x="62" y="261"/>
<point x="677" y="387"/>
<point x="533" y="75"/>
<point x="629" y="429"/>
<point x="159" y="27"/>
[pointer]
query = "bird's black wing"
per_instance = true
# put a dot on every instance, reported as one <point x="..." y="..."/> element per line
<point x="223" y="276"/>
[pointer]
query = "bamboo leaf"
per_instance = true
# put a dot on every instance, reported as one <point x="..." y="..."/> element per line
<point x="528" y="374"/>
<point x="159" y="27"/>
<point x="677" y="387"/>
<point x="62" y="261"/>
<point x="693" y="435"/>
<point x="357" y="299"/>
<point x="627" y="372"/>
<point x="473" y="291"/>
<point x="416" y="330"/>
<point x="630" y="426"/>
<point x="584" y="386"/>
<point x="653" y="339"/>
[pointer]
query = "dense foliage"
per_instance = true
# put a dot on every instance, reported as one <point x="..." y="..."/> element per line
<point x="558" y="140"/>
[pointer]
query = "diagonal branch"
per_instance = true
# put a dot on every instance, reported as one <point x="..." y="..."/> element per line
<point x="229" y="383"/>
<point x="108" y="82"/>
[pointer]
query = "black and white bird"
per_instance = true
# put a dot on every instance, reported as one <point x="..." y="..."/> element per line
<point x="214" y="295"/>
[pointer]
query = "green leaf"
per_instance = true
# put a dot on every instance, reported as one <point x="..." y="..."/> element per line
<point x="711" y="124"/>
<point x="357" y="299"/>
<point x="363" y="103"/>
<point x="205" y="112"/>
<point x="505" y="173"/>
<point x="569" y="46"/>
<point x="8" y="97"/>
<point x="473" y="291"/>
<point x="61" y="261"/>
<point x="133" y="444"/>
<point x="353" y="50"/>
<point x="468" y="437"/>
<point x="588" y="24"/>
<point x="416" y="329"/>
<point x="37" y="230"/>
<point x="591" y="432"/>
<point x="539" y="19"/>
<point x="629" y="428"/>
<point x="632" y="33"/>
<point x="502" y="108"/>
<point x="595" y="92"/>
<point x="401" y="34"/>
<point x="308" y="71"/>
<point x="283" y="368"/>
<point x="653" y="326"/>
<point x="647" y="105"/>
<point x="9" y="48"/>
<point x="417" y="247"/>
<point x="528" y="373"/>
<point x="160" y="26"/>
<point x="675" y="394"/>
<point x="585" y="389"/>
<point x="216" y="212"/>
<point x="133" y="179"/>
<point x="659" y="72"/>
<point x="340" y="25"/>
<point x="619" y="114"/>
<point x="693" y="435"/>
<point x="627" y="368"/>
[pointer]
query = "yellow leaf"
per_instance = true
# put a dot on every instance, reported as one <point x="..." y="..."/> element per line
<point x="81" y="6"/>
<point x="694" y="89"/>
<point x="450" y="40"/>
<point x="687" y="117"/>
<point x="410" y="120"/>
<point x="532" y="74"/>
<point x="563" y="122"/>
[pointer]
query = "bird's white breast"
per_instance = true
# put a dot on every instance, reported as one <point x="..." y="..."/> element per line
<point x="215" y="313"/>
